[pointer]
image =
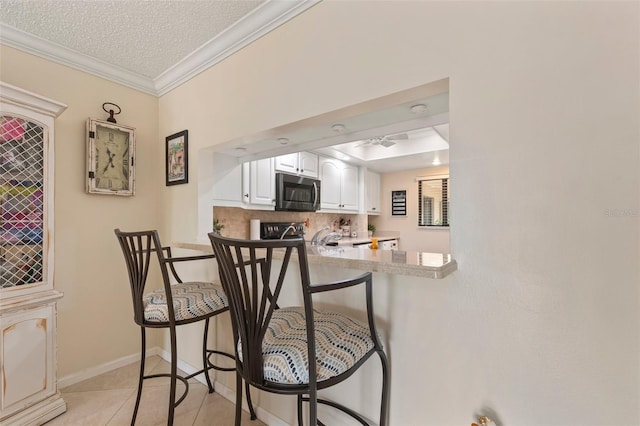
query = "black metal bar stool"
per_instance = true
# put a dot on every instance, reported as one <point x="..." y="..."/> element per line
<point x="274" y="345"/>
<point x="170" y="306"/>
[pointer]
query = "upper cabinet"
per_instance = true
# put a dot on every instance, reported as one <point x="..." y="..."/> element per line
<point x="298" y="163"/>
<point x="343" y="187"/>
<point x="247" y="185"/>
<point x="372" y="192"/>
<point x="262" y="183"/>
<point x="228" y="180"/>
<point x="339" y="185"/>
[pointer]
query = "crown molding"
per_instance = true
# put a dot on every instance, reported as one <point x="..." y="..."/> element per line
<point x="267" y="17"/>
<point x="17" y="96"/>
<point x="54" y="52"/>
<point x="251" y="27"/>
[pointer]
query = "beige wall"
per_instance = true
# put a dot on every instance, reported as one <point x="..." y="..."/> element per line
<point x="412" y="238"/>
<point x="540" y="322"/>
<point x="95" y="319"/>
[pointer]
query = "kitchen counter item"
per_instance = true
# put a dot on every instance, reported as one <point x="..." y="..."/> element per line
<point x="254" y="229"/>
<point x="374" y="243"/>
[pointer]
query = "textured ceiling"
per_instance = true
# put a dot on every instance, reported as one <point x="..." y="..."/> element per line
<point x="145" y="37"/>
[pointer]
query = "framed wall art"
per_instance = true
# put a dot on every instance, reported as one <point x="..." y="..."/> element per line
<point x="177" y="158"/>
<point x="399" y="203"/>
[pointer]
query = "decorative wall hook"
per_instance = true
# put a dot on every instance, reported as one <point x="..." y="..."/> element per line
<point x="111" y="111"/>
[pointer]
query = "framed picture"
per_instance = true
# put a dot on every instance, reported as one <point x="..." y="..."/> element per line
<point x="399" y="203"/>
<point x="110" y="156"/>
<point x="177" y="158"/>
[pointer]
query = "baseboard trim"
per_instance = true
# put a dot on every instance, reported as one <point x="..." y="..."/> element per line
<point x="223" y="390"/>
<point x="227" y="393"/>
<point x="89" y="373"/>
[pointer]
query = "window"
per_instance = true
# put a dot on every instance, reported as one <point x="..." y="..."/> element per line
<point x="433" y="202"/>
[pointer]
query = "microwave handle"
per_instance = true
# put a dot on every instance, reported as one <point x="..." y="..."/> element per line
<point x="315" y="194"/>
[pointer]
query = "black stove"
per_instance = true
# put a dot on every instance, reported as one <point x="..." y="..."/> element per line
<point x="275" y="230"/>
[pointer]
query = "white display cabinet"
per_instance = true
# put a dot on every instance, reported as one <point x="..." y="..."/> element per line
<point x="28" y="387"/>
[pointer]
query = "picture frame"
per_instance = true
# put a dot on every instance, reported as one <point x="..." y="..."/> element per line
<point x="177" y="158"/>
<point x="399" y="203"/>
<point x="110" y="158"/>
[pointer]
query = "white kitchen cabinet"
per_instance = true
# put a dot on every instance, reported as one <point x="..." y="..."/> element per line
<point x="228" y="181"/>
<point x="28" y="384"/>
<point x="262" y="186"/>
<point x="338" y="185"/>
<point x="308" y="164"/>
<point x="246" y="185"/>
<point x="298" y="163"/>
<point x="372" y="192"/>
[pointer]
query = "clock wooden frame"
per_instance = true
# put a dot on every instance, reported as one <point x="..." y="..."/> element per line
<point x="110" y="160"/>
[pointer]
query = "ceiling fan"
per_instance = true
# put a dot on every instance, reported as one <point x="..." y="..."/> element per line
<point x="385" y="141"/>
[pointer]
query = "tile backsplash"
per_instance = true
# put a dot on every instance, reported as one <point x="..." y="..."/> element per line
<point x="236" y="220"/>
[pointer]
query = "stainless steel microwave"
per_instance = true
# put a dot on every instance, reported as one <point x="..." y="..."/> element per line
<point x="297" y="193"/>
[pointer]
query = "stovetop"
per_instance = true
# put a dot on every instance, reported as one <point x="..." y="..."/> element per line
<point x="274" y="230"/>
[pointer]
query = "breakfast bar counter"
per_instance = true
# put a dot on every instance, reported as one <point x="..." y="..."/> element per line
<point x="412" y="263"/>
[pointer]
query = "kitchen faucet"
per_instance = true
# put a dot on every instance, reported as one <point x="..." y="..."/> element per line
<point x="331" y="236"/>
<point x="314" y="240"/>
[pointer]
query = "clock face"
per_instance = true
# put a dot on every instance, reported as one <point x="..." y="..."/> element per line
<point x="111" y="159"/>
<point x="110" y="153"/>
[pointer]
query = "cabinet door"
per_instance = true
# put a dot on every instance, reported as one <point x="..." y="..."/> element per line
<point x="26" y="357"/>
<point x="263" y="185"/>
<point x="287" y="163"/>
<point x="23" y="201"/>
<point x="246" y="182"/>
<point x="308" y="164"/>
<point x="372" y="192"/>
<point x="227" y="183"/>
<point x="330" y="182"/>
<point x="349" y="187"/>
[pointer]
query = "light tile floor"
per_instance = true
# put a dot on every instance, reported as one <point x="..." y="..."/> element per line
<point x="108" y="399"/>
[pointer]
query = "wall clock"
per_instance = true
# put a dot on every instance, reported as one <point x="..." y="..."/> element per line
<point x="110" y="158"/>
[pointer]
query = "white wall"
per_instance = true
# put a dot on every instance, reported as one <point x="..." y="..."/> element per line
<point x="540" y="322"/>
<point x="412" y="238"/>
<point x="95" y="317"/>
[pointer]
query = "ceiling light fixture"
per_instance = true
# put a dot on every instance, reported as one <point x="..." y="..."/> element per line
<point x="338" y="128"/>
<point x="241" y="149"/>
<point x="418" y="108"/>
<point x="283" y="141"/>
<point x="436" y="162"/>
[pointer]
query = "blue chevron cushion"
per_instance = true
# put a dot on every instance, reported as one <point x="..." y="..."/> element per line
<point x="190" y="300"/>
<point x="340" y="343"/>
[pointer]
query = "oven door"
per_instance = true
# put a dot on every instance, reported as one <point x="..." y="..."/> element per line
<point x="297" y="193"/>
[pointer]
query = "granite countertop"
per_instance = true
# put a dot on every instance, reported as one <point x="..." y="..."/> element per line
<point x="413" y="263"/>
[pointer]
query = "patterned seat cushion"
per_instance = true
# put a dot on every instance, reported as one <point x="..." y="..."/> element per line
<point x="190" y="300"/>
<point x="340" y="343"/>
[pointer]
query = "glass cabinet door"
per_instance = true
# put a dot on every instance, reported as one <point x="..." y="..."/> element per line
<point x="22" y="202"/>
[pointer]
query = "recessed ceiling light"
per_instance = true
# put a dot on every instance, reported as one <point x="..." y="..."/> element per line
<point x="283" y="141"/>
<point x="241" y="149"/>
<point x="338" y="128"/>
<point x="435" y="163"/>
<point x="418" y="108"/>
